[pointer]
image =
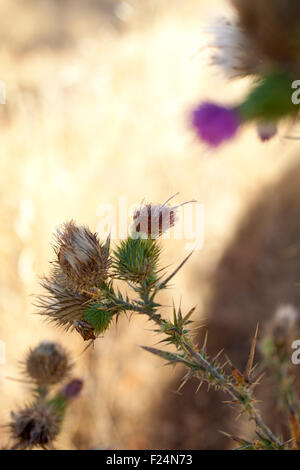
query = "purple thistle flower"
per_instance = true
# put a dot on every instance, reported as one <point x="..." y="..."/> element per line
<point x="214" y="124"/>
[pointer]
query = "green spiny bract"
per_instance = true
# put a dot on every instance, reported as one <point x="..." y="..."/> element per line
<point x="136" y="260"/>
<point x="107" y="305"/>
<point x="99" y="317"/>
<point x="176" y="330"/>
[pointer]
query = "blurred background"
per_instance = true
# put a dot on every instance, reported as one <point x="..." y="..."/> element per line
<point x="98" y="95"/>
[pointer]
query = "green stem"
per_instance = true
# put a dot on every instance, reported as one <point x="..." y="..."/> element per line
<point x="244" y="399"/>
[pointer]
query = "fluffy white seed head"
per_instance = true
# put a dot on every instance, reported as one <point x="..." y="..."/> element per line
<point x="153" y="220"/>
<point x="286" y="314"/>
<point x="232" y="50"/>
<point x="284" y="325"/>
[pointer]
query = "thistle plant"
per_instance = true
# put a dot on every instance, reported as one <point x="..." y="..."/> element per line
<point x="275" y="347"/>
<point x="38" y="423"/>
<point x="136" y="262"/>
<point x="260" y="42"/>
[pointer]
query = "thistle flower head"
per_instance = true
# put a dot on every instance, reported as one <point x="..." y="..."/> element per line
<point x="78" y="278"/>
<point x="35" y="425"/>
<point x="233" y="50"/>
<point x="283" y="324"/>
<point x="81" y="257"/>
<point x="47" y="364"/>
<point x="215" y="124"/>
<point x="152" y="220"/>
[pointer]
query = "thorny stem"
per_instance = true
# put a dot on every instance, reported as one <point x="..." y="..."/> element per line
<point x="244" y="399"/>
<point x="253" y="414"/>
<point x="280" y="373"/>
<point x="237" y="386"/>
<point x="145" y="309"/>
<point x="285" y="389"/>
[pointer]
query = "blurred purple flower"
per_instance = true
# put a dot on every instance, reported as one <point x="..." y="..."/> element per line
<point x="72" y="389"/>
<point x="266" y="130"/>
<point x="215" y="124"/>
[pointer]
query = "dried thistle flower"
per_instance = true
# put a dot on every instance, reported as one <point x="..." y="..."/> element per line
<point x="78" y="279"/>
<point x="81" y="257"/>
<point x="280" y="333"/>
<point x="47" y="364"/>
<point x="152" y="220"/>
<point x="34" y="425"/>
<point x="60" y="304"/>
<point x="233" y="50"/>
<point x="283" y="324"/>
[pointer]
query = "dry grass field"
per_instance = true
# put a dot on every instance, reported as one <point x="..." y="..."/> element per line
<point x="98" y="96"/>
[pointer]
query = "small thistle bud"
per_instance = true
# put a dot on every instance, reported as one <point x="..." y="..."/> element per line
<point x="81" y="257"/>
<point x="34" y="426"/>
<point x="136" y="260"/>
<point x="47" y="364"/>
<point x="99" y="317"/>
<point x="215" y="124"/>
<point x="60" y="401"/>
<point x="72" y="389"/>
<point x="152" y="220"/>
<point x="266" y="130"/>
